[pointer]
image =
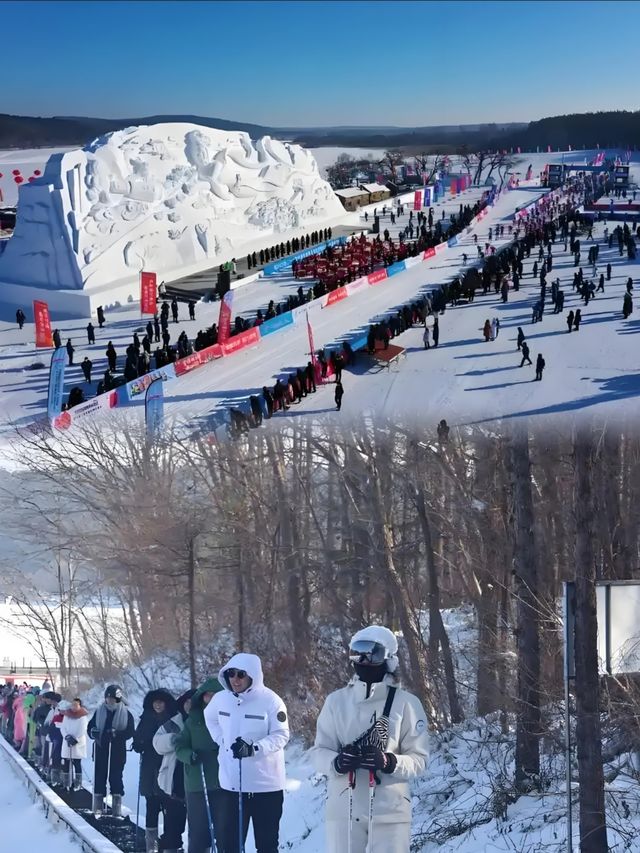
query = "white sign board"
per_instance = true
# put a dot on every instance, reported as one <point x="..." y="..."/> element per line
<point x="618" y="628"/>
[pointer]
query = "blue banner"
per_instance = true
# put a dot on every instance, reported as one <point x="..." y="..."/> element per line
<point x="427" y="196"/>
<point x="399" y="266"/>
<point x="284" y="263"/>
<point x="56" y="383"/>
<point x="275" y="323"/>
<point x="154" y="407"/>
<point x="452" y="242"/>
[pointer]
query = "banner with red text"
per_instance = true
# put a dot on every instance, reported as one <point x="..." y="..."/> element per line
<point x="224" y="320"/>
<point x="312" y="349"/>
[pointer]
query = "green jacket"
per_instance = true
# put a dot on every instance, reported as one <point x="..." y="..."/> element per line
<point x="195" y="737"/>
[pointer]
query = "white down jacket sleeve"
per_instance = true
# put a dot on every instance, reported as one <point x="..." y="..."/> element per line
<point x="278" y="736"/>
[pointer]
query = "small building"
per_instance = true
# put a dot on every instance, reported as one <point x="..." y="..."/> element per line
<point x="377" y="192"/>
<point x="352" y="197"/>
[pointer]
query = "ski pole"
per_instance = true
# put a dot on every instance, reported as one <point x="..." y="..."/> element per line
<point x="209" y="812"/>
<point x="372" y="788"/>
<point x="136" y="827"/>
<point x="352" y="784"/>
<point x="109" y="771"/>
<point x="240" y="815"/>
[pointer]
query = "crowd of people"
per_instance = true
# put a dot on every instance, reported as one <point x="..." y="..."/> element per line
<point x="212" y="759"/>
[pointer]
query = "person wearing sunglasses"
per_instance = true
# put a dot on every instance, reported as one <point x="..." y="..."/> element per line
<point x="249" y="723"/>
<point x="371" y="739"/>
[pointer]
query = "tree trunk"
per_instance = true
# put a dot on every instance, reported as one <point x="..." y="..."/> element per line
<point x="593" y="825"/>
<point x="528" y="630"/>
<point x="191" y="607"/>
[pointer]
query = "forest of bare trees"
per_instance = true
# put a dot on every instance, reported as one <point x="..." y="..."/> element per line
<point x="287" y="541"/>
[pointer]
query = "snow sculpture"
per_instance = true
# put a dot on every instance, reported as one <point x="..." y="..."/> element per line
<point x="171" y="198"/>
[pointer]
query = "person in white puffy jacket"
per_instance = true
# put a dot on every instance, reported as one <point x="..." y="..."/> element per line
<point x="74" y="742"/>
<point x="250" y="725"/>
<point x="355" y="756"/>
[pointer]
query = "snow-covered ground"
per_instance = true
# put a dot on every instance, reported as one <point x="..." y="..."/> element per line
<point x="23" y="821"/>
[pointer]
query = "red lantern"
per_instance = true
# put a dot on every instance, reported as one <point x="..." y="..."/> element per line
<point x="16" y="172"/>
<point x="18" y="179"/>
<point x="31" y="179"/>
<point x="1" y="175"/>
<point x="37" y="172"/>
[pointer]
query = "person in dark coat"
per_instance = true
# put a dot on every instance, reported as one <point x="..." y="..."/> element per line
<point x="100" y="313"/>
<point x="191" y="305"/>
<point x="443" y="432"/>
<point x="111" y="357"/>
<point x="435" y="332"/>
<point x="91" y="333"/>
<point x="520" y="338"/>
<point x="627" y="305"/>
<point x="157" y="708"/>
<point x="57" y="340"/>
<point x="86" y="366"/>
<point x="20" y="318"/>
<point x="570" y="318"/>
<point x="577" y="320"/>
<point x="310" y="376"/>
<point x="70" y="351"/>
<point x="149" y="330"/>
<point x="339" y="394"/>
<point x="256" y="409"/>
<point x="525" y="354"/>
<point x="540" y="364"/>
<point x="156" y="330"/>
<point x="174" y="309"/>
<point x="268" y="399"/>
<point x="110" y="727"/>
<point x="608" y="272"/>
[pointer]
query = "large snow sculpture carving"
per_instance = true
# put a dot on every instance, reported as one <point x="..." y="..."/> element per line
<point x="172" y="198"/>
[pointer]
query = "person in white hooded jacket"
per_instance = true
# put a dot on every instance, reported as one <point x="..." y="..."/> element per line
<point x="250" y="725"/>
<point x="360" y="760"/>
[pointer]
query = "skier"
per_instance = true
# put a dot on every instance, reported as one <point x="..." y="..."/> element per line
<point x="359" y="750"/>
<point x="74" y="743"/>
<point x="570" y="318"/>
<point x="158" y="706"/>
<point x="339" y="394"/>
<point x="171" y="776"/>
<point x="521" y="338"/>
<point x="86" y="366"/>
<point x="20" y="318"/>
<point x="540" y="365"/>
<point x="525" y="354"/>
<point x="199" y="755"/>
<point x="249" y="723"/>
<point x="110" y="727"/>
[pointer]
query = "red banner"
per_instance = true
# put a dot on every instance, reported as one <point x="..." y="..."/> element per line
<point x="453" y="186"/>
<point x="148" y="292"/>
<point x="244" y="339"/>
<point x="417" y="200"/>
<point x="429" y="253"/>
<point x="224" y="320"/>
<point x="197" y="359"/>
<point x="377" y="276"/>
<point x="336" y="295"/>
<point x="312" y="349"/>
<point x="43" y="324"/>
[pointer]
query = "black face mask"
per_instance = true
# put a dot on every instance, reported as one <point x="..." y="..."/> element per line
<point x="371" y="674"/>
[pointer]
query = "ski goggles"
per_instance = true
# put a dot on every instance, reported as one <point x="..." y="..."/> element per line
<point x="235" y="673"/>
<point x="367" y="652"/>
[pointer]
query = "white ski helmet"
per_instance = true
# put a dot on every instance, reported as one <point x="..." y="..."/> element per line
<point x="376" y="635"/>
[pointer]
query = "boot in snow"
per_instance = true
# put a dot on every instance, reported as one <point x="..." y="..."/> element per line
<point x="54" y="778"/>
<point x="66" y="780"/>
<point x="77" y="782"/>
<point x="97" y="805"/>
<point x="151" y="839"/>
<point x="116" y="805"/>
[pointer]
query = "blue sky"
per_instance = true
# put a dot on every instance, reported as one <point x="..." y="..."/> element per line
<point x="328" y="63"/>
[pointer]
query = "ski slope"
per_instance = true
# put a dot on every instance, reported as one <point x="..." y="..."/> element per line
<point x="465" y="380"/>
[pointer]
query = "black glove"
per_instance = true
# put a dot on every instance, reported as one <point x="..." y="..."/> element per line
<point x="136" y="747"/>
<point x="375" y="759"/>
<point x="196" y="757"/>
<point x="71" y="740"/>
<point x="241" y="749"/>
<point x="347" y="759"/>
